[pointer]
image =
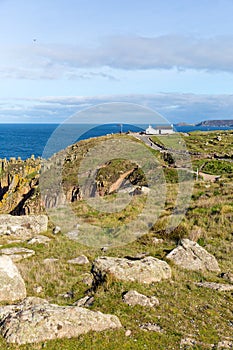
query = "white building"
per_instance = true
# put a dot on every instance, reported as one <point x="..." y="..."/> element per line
<point x="160" y="130"/>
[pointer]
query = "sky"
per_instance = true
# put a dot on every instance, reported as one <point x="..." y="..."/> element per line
<point x="58" y="57"/>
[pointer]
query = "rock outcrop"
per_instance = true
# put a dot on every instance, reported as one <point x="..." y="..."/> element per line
<point x="12" y="286"/>
<point x="19" y="193"/>
<point x="147" y="270"/>
<point x="190" y="255"/>
<point x="23" y="227"/>
<point x="35" y="320"/>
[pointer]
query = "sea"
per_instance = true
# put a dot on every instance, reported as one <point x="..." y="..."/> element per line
<point x="25" y="140"/>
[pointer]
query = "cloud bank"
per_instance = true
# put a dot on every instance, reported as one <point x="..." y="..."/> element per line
<point x="38" y="61"/>
<point x="175" y="107"/>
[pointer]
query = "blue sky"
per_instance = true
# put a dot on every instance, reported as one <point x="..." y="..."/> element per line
<point x="58" y="57"/>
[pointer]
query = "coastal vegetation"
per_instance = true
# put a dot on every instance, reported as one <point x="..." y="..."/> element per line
<point x="185" y="310"/>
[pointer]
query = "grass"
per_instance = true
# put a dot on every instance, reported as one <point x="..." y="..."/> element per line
<point x="185" y="309"/>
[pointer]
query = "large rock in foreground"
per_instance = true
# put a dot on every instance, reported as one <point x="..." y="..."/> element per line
<point x="35" y="320"/>
<point x="12" y="286"/>
<point x="23" y="227"/>
<point x="192" y="256"/>
<point x="147" y="270"/>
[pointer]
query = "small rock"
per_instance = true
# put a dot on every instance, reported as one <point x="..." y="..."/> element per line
<point x="73" y="235"/>
<point x="39" y="240"/>
<point x="17" y="253"/>
<point x="67" y="295"/>
<point x="56" y="230"/>
<point x="188" y="342"/>
<point x="228" y="276"/>
<point x="145" y="190"/>
<point x="38" y="289"/>
<point x="216" y="286"/>
<point x="128" y="333"/>
<point x="88" y="279"/>
<point x="104" y="249"/>
<point x="80" y="260"/>
<point x="151" y="327"/>
<point x="50" y="260"/>
<point x="225" y="344"/>
<point x="85" y="302"/>
<point x="134" y="298"/>
<point x="156" y="240"/>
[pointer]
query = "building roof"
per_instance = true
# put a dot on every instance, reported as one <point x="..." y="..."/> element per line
<point x="161" y="127"/>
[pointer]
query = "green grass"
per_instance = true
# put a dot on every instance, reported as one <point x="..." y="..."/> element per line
<point x="184" y="309"/>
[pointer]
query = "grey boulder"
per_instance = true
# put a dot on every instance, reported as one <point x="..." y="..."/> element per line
<point x="12" y="285"/>
<point x="147" y="270"/>
<point x="35" y="320"/>
<point x="23" y="227"/>
<point x="190" y="255"/>
<point x="133" y="298"/>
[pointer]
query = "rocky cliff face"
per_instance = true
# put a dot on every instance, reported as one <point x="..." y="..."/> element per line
<point x="19" y="193"/>
<point x="223" y="123"/>
<point x="58" y="180"/>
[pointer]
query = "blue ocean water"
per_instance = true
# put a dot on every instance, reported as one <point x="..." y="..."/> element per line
<point x="23" y="140"/>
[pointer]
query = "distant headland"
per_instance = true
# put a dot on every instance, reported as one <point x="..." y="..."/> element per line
<point x="216" y="123"/>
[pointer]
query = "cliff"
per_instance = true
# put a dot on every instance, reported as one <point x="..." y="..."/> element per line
<point x="19" y="186"/>
<point x="216" y="123"/>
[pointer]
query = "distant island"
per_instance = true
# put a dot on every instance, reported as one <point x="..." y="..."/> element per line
<point x="184" y="124"/>
<point x="222" y="123"/>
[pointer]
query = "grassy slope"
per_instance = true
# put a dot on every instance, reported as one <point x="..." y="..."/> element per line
<point x="184" y="308"/>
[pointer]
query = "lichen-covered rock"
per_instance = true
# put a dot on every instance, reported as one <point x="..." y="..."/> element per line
<point x="147" y="270"/>
<point x="190" y="255"/>
<point x="23" y="227"/>
<point x="17" y="253"/>
<point x="19" y="193"/>
<point x="35" y="320"/>
<point x="133" y="298"/>
<point x="12" y="286"/>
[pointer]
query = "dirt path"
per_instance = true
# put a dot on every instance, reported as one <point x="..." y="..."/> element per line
<point x="118" y="182"/>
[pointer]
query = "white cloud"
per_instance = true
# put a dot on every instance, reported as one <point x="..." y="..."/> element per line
<point x="173" y="106"/>
<point x="40" y="61"/>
